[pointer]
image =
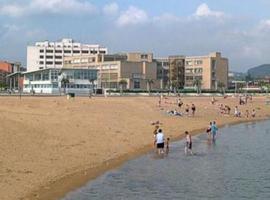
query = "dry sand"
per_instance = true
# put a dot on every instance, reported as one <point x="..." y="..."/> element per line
<point x="50" y="145"/>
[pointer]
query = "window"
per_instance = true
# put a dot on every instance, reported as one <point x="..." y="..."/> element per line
<point x="49" y="51"/>
<point x="189" y="78"/>
<point x="58" y="57"/>
<point x="102" y="52"/>
<point x="85" y="52"/>
<point x="41" y="62"/>
<point x="144" y="56"/>
<point x="93" y="51"/>
<point x="198" y="70"/>
<point x="41" y="50"/>
<point x="49" y="63"/>
<point x="198" y="62"/>
<point x="58" y="63"/>
<point x="76" y="52"/>
<point x="49" y="57"/>
<point x="58" y="51"/>
<point x="41" y="56"/>
<point x="137" y="84"/>
<point x="189" y="62"/>
<point x="67" y="51"/>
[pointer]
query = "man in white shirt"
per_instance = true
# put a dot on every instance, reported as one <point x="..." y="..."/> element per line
<point x="160" y="141"/>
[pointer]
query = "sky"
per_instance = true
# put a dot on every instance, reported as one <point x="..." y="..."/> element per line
<point x="239" y="29"/>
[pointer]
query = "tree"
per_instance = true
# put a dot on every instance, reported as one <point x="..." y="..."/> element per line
<point x="149" y="84"/>
<point x="122" y="84"/>
<point x="241" y="86"/>
<point x="221" y="87"/>
<point x="198" y="84"/>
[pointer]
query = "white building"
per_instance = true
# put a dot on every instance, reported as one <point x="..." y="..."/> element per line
<point x="51" y="54"/>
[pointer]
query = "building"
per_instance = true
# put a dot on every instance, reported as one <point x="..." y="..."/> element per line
<point x="177" y="72"/>
<point x="137" y="70"/>
<point x="57" y="81"/>
<point x="7" y="69"/>
<point x="47" y="54"/>
<point x="211" y="71"/>
<point x="163" y="72"/>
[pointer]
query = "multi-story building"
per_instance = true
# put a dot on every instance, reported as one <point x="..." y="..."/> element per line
<point x="47" y="54"/>
<point x="177" y="72"/>
<point x="211" y="71"/>
<point x="139" y="71"/>
<point x="163" y="72"/>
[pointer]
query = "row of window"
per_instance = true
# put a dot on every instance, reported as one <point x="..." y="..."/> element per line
<point x="191" y="78"/>
<point x="76" y="86"/>
<point x="194" y="70"/>
<point x="74" y="51"/>
<point x="50" y="57"/>
<point x="50" y="63"/>
<point x="196" y="62"/>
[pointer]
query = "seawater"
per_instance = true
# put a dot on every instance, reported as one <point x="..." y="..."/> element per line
<point x="237" y="166"/>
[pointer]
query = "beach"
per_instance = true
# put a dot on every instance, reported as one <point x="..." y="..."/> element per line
<point x="51" y="145"/>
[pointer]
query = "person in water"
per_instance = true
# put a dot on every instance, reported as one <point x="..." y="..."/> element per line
<point x="188" y="147"/>
<point x="214" y="130"/>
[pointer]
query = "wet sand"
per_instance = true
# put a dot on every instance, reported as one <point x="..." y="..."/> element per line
<point x="51" y="145"/>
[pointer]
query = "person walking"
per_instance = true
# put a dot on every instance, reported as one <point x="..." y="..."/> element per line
<point x="188" y="147"/>
<point x="159" y="141"/>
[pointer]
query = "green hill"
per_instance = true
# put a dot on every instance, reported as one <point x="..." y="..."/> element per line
<point x="260" y="71"/>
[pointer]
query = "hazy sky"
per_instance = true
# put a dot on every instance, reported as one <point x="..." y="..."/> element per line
<point x="240" y="29"/>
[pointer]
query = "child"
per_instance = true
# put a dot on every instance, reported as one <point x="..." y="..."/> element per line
<point x="188" y="146"/>
<point x="253" y="114"/>
<point x="247" y="114"/>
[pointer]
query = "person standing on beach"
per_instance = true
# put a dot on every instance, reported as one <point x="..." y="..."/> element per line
<point x="159" y="141"/>
<point x="253" y="113"/>
<point x="188" y="147"/>
<point x="193" y="108"/>
<point x="214" y="130"/>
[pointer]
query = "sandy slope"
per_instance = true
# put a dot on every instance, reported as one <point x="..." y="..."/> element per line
<point x="44" y="139"/>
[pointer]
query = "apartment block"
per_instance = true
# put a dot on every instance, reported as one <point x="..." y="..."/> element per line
<point x="138" y="71"/>
<point x="163" y="72"/>
<point x="47" y="54"/>
<point x="177" y="71"/>
<point x="210" y="70"/>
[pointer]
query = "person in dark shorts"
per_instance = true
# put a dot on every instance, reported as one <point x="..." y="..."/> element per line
<point x="160" y="141"/>
<point x="188" y="147"/>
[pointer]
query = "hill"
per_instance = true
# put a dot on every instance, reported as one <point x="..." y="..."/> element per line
<point x="260" y="71"/>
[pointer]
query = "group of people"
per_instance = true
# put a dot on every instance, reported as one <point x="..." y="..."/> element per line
<point x="237" y="113"/>
<point x="224" y="109"/>
<point x="162" y="145"/>
<point x="212" y="131"/>
<point x="188" y="110"/>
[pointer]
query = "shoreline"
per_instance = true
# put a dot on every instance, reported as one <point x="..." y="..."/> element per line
<point x="70" y="182"/>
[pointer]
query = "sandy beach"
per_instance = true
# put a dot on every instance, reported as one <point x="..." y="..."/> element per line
<point x="51" y="145"/>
